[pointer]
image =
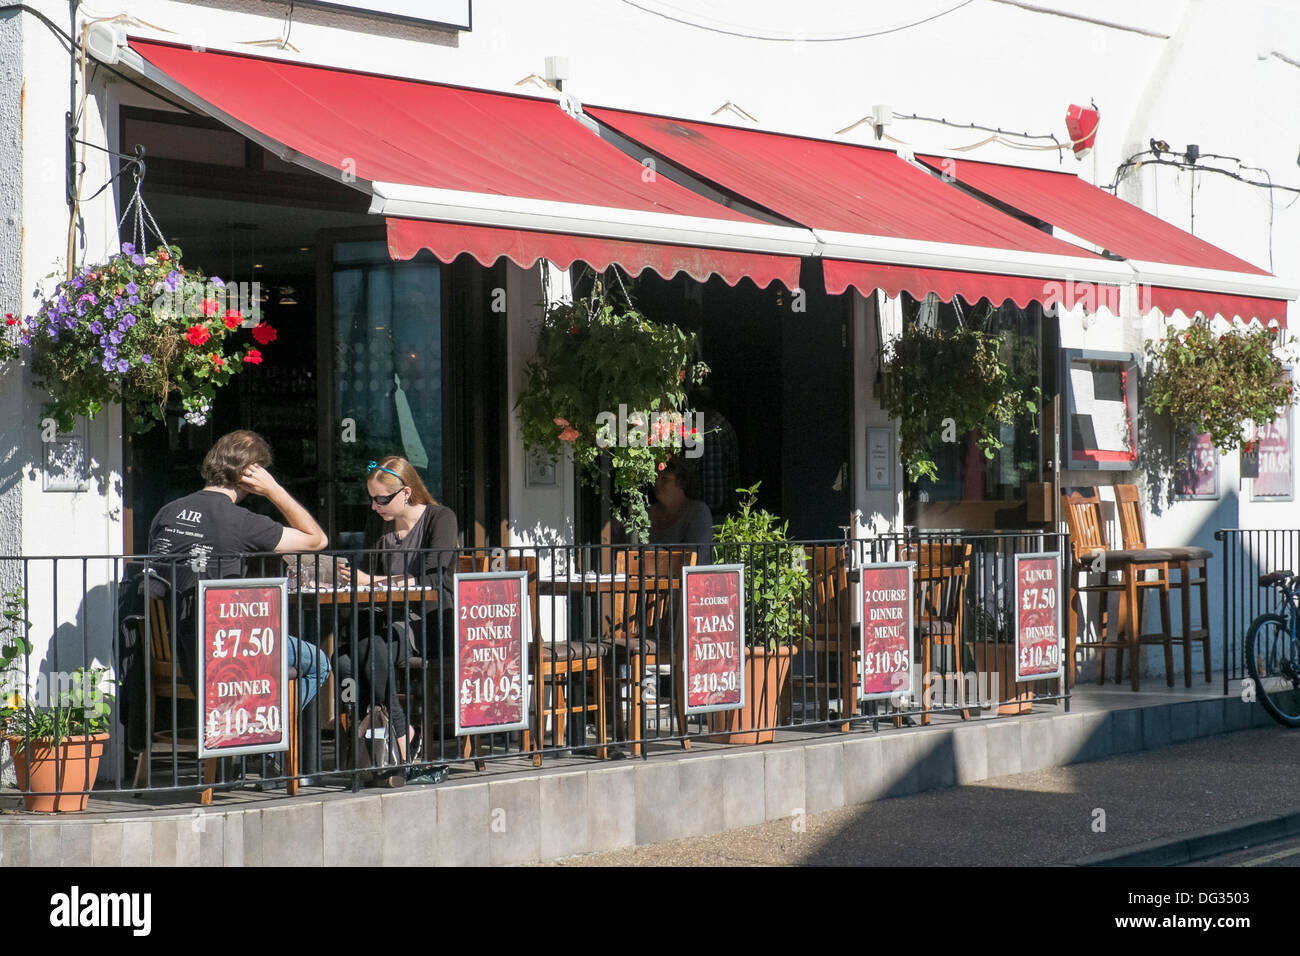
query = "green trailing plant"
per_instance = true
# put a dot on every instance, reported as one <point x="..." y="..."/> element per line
<point x="942" y="384"/>
<point x="13" y="629"/>
<point x="610" y="385"/>
<point x="79" y="708"/>
<point x="776" y="573"/>
<point x="1212" y="383"/>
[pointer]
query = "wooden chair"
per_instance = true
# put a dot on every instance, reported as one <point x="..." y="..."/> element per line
<point x="828" y="630"/>
<point x="1185" y="560"/>
<point x="656" y="614"/>
<point x="555" y="663"/>
<point x="161" y="668"/>
<point x="942" y="570"/>
<point x="1091" y="555"/>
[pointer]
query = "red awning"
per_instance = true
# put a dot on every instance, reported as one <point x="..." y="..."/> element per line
<point x="365" y="128"/>
<point x="1120" y="228"/>
<point x="946" y="283"/>
<point x="406" y="237"/>
<point x="853" y="189"/>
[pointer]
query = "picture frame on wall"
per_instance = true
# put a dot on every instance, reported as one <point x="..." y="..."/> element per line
<point x="1101" y="410"/>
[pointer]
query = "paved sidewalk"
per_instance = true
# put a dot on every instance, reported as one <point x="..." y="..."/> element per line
<point x="1029" y="819"/>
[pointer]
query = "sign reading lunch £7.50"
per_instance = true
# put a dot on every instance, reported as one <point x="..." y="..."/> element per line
<point x="243" y="667"/>
<point x="492" y="635"/>
<point x="1038" y="616"/>
<point x="714" y="610"/>
<point x="448" y="13"/>
<point x="886" y="630"/>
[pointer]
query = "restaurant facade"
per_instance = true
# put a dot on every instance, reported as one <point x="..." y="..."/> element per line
<point x="400" y="188"/>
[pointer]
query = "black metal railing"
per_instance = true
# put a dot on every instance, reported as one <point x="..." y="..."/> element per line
<point x="1248" y="553"/>
<point x="605" y="675"/>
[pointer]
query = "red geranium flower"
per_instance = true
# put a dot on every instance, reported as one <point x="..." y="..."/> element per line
<point x="252" y="357"/>
<point x="264" y="333"/>
<point x="234" y="318"/>
<point x="210" y="307"/>
<point x="163" y="255"/>
<point x="569" y="434"/>
<point x="217" y="360"/>
<point x="196" y="335"/>
<point x="9" y="318"/>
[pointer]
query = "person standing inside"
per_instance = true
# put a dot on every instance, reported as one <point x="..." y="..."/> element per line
<point x="208" y="533"/>
<point x="720" y="461"/>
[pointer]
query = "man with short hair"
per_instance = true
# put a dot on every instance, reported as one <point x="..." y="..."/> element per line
<point x="211" y="529"/>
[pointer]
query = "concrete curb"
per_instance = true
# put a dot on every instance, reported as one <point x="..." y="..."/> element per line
<point x="1181" y="850"/>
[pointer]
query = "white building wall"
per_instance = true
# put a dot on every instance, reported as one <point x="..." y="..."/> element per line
<point x="1218" y="73"/>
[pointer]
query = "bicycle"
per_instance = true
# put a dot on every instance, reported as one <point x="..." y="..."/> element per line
<point x="1273" y="651"/>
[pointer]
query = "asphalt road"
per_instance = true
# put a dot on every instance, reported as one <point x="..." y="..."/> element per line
<point x="1054" y="816"/>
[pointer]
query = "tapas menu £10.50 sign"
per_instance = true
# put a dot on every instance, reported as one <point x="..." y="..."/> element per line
<point x="1038" y="616"/>
<point x="714" y="609"/>
<point x="243" y="667"/>
<point x="886" y="600"/>
<point x="493" y="629"/>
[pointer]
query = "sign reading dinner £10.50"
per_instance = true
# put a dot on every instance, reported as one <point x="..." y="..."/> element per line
<point x="887" y="611"/>
<point x="493" y="629"/>
<point x="449" y="13"/>
<point x="243" y="667"/>
<point x="714" y="609"/>
<point x="1038" y="616"/>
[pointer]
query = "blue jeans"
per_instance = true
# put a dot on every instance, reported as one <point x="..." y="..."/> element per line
<point x="312" y="666"/>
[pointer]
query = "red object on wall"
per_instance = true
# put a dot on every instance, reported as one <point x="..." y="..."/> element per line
<point x="1081" y="123"/>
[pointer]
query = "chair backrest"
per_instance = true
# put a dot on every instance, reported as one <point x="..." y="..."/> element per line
<point x="941" y="572"/>
<point x="1131" y="525"/>
<point x="1086" y="523"/>
<point x="471" y="563"/>
<point x="160" y="644"/>
<point x="830" y="600"/>
<point x="526" y="562"/>
<point x="657" y="563"/>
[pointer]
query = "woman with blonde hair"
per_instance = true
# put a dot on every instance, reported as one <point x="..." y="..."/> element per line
<point x="416" y="548"/>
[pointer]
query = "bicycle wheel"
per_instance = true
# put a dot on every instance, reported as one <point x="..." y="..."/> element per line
<point x="1273" y="661"/>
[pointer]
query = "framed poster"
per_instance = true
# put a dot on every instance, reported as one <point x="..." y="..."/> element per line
<point x="243" y="666"/>
<point x="713" y="662"/>
<point x="493" y="630"/>
<point x="1101" y="409"/>
<point x="1037" y="625"/>
<point x="1196" y="474"/>
<point x="455" y="14"/>
<point x="880" y="458"/>
<point x="885" y="600"/>
<point x="1276" y="478"/>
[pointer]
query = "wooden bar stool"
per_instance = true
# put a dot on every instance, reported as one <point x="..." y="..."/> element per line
<point x="1091" y="555"/>
<point x="1192" y="564"/>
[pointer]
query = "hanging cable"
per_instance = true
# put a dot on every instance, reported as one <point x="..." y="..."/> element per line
<point x="737" y="31"/>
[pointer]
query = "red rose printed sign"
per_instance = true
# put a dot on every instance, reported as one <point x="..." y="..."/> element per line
<point x="1198" y="473"/>
<point x="714" y="607"/>
<point x="492" y="634"/>
<point x="887" y="609"/>
<point x="1275" y="481"/>
<point x="1038" y="616"/>
<point x="243" y="667"/>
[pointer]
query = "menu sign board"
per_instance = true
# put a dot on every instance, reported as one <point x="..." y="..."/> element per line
<point x="1276" y="478"/>
<point x="492" y="634"/>
<point x="449" y="13"/>
<point x="714" y="660"/>
<point x="1038" y="616"/>
<point x="243" y="668"/>
<point x="887" y="612"/>
<point x="1197" y="475"/>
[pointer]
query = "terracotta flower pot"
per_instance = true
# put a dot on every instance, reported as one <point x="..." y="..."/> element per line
<point x="766" y="673"/>
<point x="997" y="663"/>
<point x="76" y="767"/>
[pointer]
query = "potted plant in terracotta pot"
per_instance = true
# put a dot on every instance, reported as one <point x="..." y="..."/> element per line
<point x="56" y="749"/>
<point x="776" y="585"/>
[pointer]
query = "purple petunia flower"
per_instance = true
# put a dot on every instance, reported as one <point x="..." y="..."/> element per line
<point x="106" y="365"/>
<point x="134" y="300"/>
<point x="117" y="301"/>
<point x="132" y="288"/>
<point x="122" y="365"/>
<point x="146" y="358"/>
<point x="110" y="353"/>
<point x="216" y="281"/>
<point x="77" y="283"/>
<point x="128" y="248"/>
<point x="137" y="260"/>
<point x="173" y="280"/>
<point x="128" y="320"/>
<point x="115" y="337"/>
<point x="96" y="328"/>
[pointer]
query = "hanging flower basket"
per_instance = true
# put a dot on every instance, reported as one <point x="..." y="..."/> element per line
<point x="139" y="330"/>
<point x="606" y="381"/>
<point x="1212" y="383"/>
